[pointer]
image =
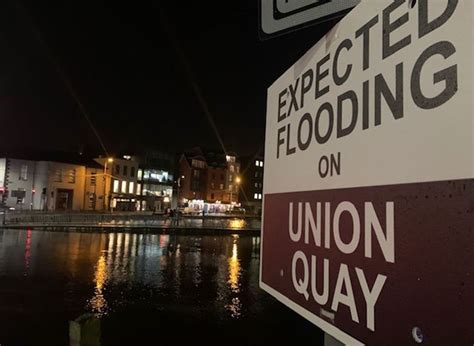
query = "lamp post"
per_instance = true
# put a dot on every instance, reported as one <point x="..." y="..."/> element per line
<point x="177" y="202"/>
<point x="179" y="185"/>
<point x="109" y="160"/>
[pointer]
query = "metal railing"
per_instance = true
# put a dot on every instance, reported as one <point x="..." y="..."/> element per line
<point x="128" y="219"/>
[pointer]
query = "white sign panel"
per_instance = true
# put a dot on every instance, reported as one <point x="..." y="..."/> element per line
<point x="280" y="15"/>
<point x="369" y="176"/>
<point x="391" y="108"/>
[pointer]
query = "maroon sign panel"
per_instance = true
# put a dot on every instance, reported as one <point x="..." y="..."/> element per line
<point x="395" y="262"/>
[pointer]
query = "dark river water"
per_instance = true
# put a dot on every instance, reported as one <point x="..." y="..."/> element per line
<point x="145" y="290"/>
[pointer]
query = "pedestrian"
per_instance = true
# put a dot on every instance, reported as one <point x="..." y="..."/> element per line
<point x="171" y="216"/>
<point x="175" y="217"/>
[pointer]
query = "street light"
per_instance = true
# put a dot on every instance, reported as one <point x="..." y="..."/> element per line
<point x="237" y="181"/>
<point x="109" y="160"/>
<point x="177" y="202"/>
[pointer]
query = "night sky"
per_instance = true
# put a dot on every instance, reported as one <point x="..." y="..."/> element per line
<point x="124" y="62"/>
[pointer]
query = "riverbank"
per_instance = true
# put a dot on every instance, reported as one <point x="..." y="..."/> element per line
<point x="132" y="223"/>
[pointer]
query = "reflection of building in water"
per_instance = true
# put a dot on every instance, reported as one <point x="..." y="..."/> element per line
<point x="27" y="250"/>
<point x="256" y="247"/>
<point x="139" y="258"/>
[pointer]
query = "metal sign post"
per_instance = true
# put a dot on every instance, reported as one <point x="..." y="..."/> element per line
<point x="369" y="179"/>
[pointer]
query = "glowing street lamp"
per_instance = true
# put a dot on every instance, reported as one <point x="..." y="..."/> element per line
<point x="237" y="181"/>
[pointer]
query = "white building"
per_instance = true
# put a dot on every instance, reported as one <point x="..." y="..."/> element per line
<point x="46" y="185"/>
<point x="17" y="183"/>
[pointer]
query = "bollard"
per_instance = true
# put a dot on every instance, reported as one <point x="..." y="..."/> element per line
<point x="84" y="331"/>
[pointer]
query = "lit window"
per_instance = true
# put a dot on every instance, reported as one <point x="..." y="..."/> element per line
<point x="221" y="186"/>
<point x="131" y="188"/>
<point x="231" y="168"/>
<point x="257" y="163"/>
<point x="198" y="164"/>
<point x="139" y="189"/>
<point x="230" y="187"/>
<point x="72" y="176"/>
<point x="261" y="163"/>
<point x="238" y="169"/>
<point x="116" y="186"/>
<point x="230" y="177"/>
<point x="58" y="177"/>
<point x="255" y="196"/>
<point x="124" y="186"/>
<point x="140" y="174"/>
<point x="259" y="196"/>
<point x="24" y="172"/>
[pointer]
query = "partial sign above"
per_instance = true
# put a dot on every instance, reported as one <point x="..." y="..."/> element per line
<point x="369" y="177"/>
<point x="278" y="16"/>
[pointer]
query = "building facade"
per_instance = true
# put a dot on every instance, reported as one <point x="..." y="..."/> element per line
<point x="120" y="183"/>
<point x="252" y="183"/>
<point x="95" y="183"/>
<point x="155" y="181"/>
<point x="192" y="177"/>
<point x="41" y="185"/>
<point x="17" y="183"/>
<point x="63" y="184"/>
<point x="208" y="180"/>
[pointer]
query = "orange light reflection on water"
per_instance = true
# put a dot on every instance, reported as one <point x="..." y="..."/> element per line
<point x="234" y="280"/>
<point x="98" y="302"/>
<point x="237" y="223"/>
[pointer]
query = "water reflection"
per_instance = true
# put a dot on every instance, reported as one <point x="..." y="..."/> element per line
<point x="188" y="277"/>
<point x="235" y="305"/>
<point x="28" y="250"/>
<point x="237" y="223"/>
<point x="234" y="268"/>
<point x="98" y="302"/>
